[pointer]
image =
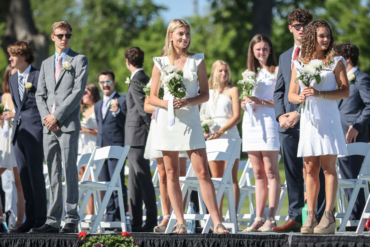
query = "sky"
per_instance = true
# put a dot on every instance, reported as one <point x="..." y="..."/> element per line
<point x="181" y="8"/>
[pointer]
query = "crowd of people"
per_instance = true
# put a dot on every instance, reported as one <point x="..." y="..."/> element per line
<point x="307" y="106"/>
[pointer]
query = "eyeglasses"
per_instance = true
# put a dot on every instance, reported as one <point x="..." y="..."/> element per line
<point x="60" y="36"/>
<point x="107" y="81"/>
<point x="299" y="26"/>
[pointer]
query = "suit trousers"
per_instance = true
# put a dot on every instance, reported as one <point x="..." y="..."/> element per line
<point x="106" y="173"/>
<point x="294" y="177"/>
<point x="62" y="148"/>
<point x="349" y="168"/>
<point x="29" y="157"/>
<point x="141" y="188"/>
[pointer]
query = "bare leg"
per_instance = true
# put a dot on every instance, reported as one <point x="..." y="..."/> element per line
<point x="166" y="204"/>
<point x="20" y="202"/>
<point x="90" y="203"/>
<point x="198" y="158"/>
<point x="270" y="161"/>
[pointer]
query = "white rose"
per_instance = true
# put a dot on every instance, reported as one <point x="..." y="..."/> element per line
<point x="28" y="86"/>
<point x="248" y="74"/>
<point x="112" y="102"/>
<point x="66" y="65"/>
<point x="351" y="78"/>
<point x="170" y="69"/>
<point x="316" y="63"/>
<point x="309" y="70"/>
<point x="127" y="80"/>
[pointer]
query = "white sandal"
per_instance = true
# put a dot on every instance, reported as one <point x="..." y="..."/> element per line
<point x="161" y="228"/>
<point x="253" y="229"/>
<point x="267" y="229"/>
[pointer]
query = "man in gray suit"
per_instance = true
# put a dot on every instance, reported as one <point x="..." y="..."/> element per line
<point x="355" y="118"/>
<point x="61" y="85"/>
<point x="136" y="132"/>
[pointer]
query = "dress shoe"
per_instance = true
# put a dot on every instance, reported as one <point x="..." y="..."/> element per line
<point x="289" y="226"/>
<point x="21" y="229"/>
<point x="45" y="229"/>
<point x="69" y="228"/>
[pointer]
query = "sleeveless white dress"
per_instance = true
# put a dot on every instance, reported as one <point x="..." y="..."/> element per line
<point x="6" y="147"/>
<point x="263" y="135"/>
<point x="87" y="141"/>
<point x="219" y="108"/>
<point x="321" y="136"/>
<point x="187" y="132"/>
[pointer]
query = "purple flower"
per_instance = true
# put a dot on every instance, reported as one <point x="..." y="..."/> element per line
<point x="138" y="243"/>
<point x="97" y="245"/>
<point x="105" y="244"/>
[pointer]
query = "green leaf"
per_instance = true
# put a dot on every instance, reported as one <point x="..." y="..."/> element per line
<point x="318" y="79"/>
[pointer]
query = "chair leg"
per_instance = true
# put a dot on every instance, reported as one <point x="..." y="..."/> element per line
<point x="231" y="204"/>
<point x="351" y="203"/>
<point x="364" y="217"/>
<point x="101" y="210"/>
<point x="121" y="209"/>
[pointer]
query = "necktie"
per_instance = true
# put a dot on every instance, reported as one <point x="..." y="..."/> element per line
<point x="105" y="107"/>
<point x="296" y="54"/>
<point x="58" y="69"/>
<point x="21" y="87"/>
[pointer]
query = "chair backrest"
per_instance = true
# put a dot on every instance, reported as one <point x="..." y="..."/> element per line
<point x="82" y="160"/>
<point x="363" y="149"/>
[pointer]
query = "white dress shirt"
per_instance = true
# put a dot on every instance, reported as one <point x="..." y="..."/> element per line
<point x="352" y="71"/>
<point x="25" y="74"/>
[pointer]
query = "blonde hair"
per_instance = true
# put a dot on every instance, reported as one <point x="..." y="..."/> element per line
<point x="60" y="24"/>
<point x="213" y="79"/>
<point x="174" y="24"/>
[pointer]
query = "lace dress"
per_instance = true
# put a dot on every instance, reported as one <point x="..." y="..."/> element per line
<point x="320" y="126"/>
<point x="187" y="132"/>
<point x="262" y="135"/>
<point x="87" y="141"/>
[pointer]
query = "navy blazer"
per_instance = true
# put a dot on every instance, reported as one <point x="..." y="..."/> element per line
<point x="26" y="111"/>
<point x="355" y="110"/>
<point x="281" y="102"/>
<point x="111" y="130"/>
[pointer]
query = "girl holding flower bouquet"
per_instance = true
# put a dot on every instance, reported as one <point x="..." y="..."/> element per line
<point x="314" y="80"/>
<point x="260" y="136"/>
<point x="223" y="109"/>
<point x="178" y="122"/>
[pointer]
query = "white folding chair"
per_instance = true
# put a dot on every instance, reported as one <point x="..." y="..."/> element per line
<point x="361" y="182"/>
<point x="94" y="186"/>
<point x="220" y="149"/>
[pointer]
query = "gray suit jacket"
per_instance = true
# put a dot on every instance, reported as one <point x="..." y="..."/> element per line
<point x="355" y="110"/>
<point x="66" y="93"/>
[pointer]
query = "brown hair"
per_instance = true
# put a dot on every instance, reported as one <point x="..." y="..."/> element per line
<point x="22" y="48"/>
<point x="252" y="62"/>
<point x="348" y="50"/>
<point x="310" y="39"/>
<point x="60" y="24"/>
<point x="135" y="56"/>
<point x="94" y="92"/>
<point x="107" y="72"/>
<point x="7" y="74"/>
<point x="299" y="15"/>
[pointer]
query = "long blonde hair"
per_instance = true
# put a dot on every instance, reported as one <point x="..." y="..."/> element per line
<point x="213" y="80"/>
<point x="169" y="51"/>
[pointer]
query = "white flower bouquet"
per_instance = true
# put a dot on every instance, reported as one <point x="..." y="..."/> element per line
<point x="173" y="80"/>
<point x="206" y="122"/>
<point x="248" y="83"/>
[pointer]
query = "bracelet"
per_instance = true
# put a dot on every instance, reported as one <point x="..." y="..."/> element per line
<point x="297" y="113"/>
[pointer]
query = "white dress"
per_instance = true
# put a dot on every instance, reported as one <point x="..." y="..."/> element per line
<point x="219" y="108"/>
<point x="187" y="132"/>
<point x="6" y="147"/>
<point x="263" y="135"/>
<point x="321" y="136"/>
<point x="87" y="141"/>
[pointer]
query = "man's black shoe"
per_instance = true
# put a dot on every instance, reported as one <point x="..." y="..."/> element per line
<point x="45" y="229"/>
<point x="21" y="229"/>
<point x="69" y="228"/>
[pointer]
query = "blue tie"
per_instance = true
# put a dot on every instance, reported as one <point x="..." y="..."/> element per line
<point x="21" y="87"/>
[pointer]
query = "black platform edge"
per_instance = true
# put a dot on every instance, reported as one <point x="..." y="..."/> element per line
<point x="330" y="241"/>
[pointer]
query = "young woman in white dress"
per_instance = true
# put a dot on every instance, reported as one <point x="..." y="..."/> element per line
<point x="186" y="134"/>
<point x="89" y="131"/>
<point x="223" y="107"/>
<point x="321" y="138"/>
<point x="260" y="135"/>
<point x="7" y="155"/>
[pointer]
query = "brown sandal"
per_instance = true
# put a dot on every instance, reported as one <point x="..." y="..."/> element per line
<point x="309" y="225"/>
<point x="180" y="227"/>
<point x="215" y="231"/>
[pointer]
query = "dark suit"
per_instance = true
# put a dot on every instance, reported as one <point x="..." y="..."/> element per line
<point x="111" y="132"/>
<point x="355" y="111"/>
<point x="27" y="139"/>
<point x="136" y="130"/>
<point x="289" y="144"/>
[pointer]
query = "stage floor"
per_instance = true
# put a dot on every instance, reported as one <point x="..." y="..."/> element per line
<point x="199" y="240"/>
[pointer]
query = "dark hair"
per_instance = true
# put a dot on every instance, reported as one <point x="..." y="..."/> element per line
<point x="107" y="72"/>
<point x="309" y="42"/>
<point x="22" y="48"/>
<point x="299" y="15"/>
<point x="7" y="74"/>
<point x="94" y="92"/>
<point x="348" y="50"/>
<point x="252" y="62"/>
<point x="135" y="56"/>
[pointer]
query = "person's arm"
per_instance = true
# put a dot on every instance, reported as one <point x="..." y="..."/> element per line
<point x="235" y="119"/>
<point x="148" y="108"/>
<point x="72" y="101"/>
<point x="293" y="96"/>
<point x="42" y="94"/>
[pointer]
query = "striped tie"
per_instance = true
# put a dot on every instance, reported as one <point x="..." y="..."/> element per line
<point x="21" y="87"/>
